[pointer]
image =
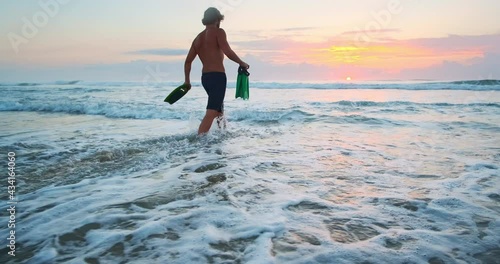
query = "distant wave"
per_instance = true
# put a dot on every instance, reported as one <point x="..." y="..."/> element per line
<point x="67" y="82"/>
<point x="294" y="115"/>
<point x="24" y="84"/>
<point x="394" y="103"/>
<point x="150" y="111"/>
<point x="112" y="110"/>
<point x="473" y="85"/>
<point x="478" y="82"/>
<point x="479" y="85"/>
<point x="28" y="84"/>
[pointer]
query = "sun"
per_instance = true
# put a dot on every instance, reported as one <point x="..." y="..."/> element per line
<point x="348" y="78"/>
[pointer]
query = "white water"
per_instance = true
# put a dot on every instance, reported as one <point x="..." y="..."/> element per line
<point x="113" y="174"/>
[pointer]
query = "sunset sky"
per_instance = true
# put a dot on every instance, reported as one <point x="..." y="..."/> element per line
<point x="282" y="40"/>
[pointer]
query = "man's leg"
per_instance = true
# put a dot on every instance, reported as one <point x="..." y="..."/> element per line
<point x="207" y="121"/>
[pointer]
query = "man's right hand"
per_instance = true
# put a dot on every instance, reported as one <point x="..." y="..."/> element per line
<point x="244" y="65"/>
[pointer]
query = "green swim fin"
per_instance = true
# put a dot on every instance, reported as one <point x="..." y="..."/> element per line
<point x="177" y="94"/>
<point x="242" y="84"/>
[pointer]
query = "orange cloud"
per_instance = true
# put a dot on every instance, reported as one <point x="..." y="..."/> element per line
<point x="396" y="55"/>
<point x="385" y="54"/>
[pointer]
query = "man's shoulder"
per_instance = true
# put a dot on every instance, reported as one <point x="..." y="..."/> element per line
<point x="199" y="34"/>
<point x="221" y="32"/>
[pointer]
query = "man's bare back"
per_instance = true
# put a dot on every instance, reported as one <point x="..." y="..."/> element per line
<point x="208" y="50"/>
<point x="211" y="45"/>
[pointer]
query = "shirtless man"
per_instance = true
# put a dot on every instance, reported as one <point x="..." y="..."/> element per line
<point x="211" y="45"/>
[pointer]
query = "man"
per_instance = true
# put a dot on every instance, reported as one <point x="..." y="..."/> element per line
<point x="211" y="45"/>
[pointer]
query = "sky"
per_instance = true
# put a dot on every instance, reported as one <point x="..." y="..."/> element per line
<point x="282" y="40"/>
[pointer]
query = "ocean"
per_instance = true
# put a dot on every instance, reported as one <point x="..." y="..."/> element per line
<point x="378" y="172"/>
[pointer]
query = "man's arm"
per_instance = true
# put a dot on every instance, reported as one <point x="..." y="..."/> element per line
<point x="187" y="65"/>
<point x="224" y="46"/>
